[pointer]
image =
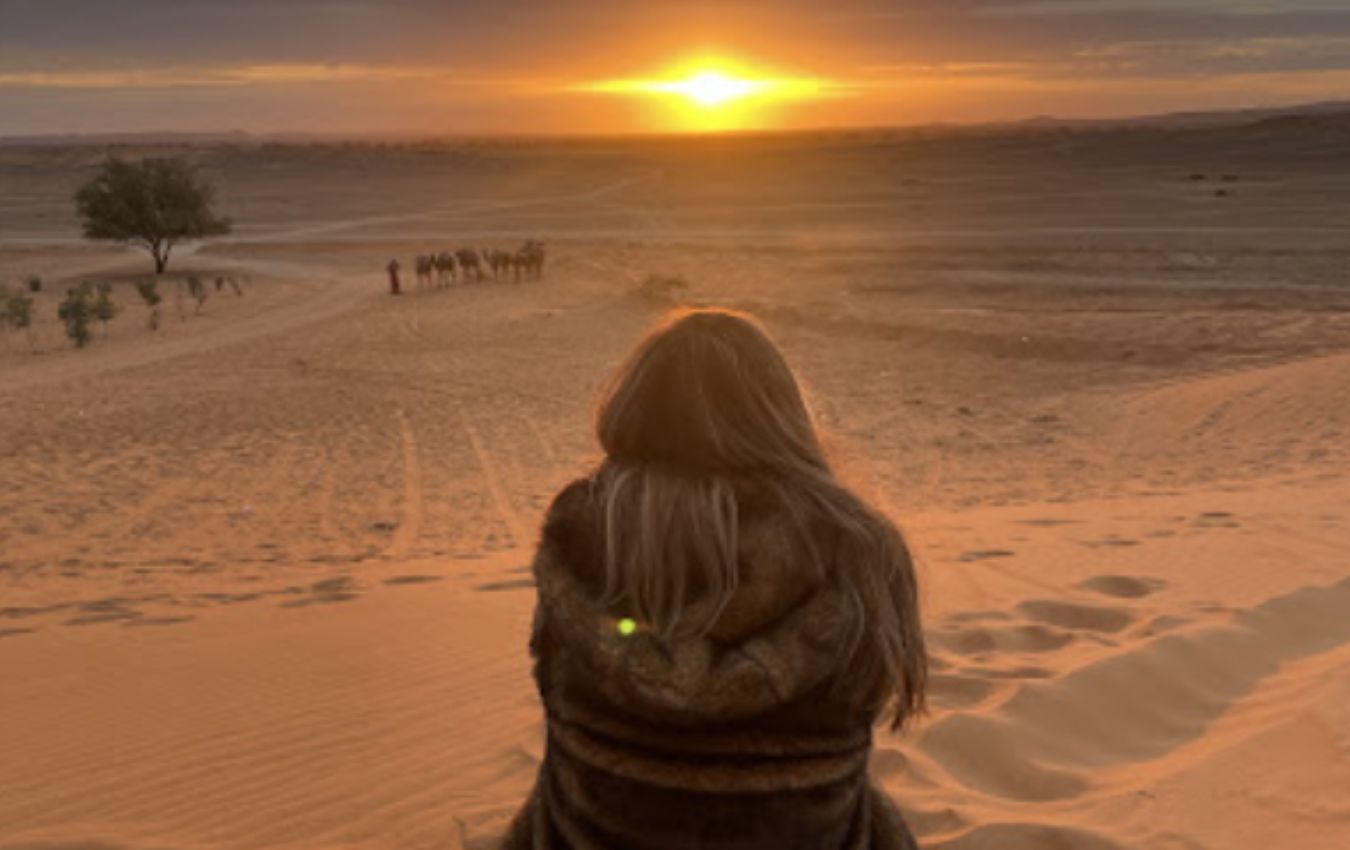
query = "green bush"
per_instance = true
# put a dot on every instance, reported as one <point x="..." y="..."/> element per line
<point x="18" y="312"/>
<point x="76" y="312"/>
<point x="148" y="289"/>
<point x="104" y="308"/>
<point x="5" y="321"/>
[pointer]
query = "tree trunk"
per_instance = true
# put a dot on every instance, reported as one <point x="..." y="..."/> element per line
<point x="160" y="262"/>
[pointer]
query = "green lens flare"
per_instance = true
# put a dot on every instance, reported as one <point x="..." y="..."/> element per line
<point x="627" y="626"/>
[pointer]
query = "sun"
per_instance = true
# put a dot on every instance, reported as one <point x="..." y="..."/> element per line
<point x="713" y="95"/>
<point x="713" y="88"/>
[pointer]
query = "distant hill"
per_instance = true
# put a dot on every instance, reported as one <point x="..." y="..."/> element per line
<point x="1193" y="120"/>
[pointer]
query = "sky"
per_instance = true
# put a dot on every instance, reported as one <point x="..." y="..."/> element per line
<point x="562" y="66"/>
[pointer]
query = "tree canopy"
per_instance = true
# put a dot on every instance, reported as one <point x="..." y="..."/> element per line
<point x="151" y="203"/>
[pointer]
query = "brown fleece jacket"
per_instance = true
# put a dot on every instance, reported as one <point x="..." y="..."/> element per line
<point x="749" y="738"/>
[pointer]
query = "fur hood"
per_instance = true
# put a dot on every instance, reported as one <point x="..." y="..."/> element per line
<point x="748" y="737"/>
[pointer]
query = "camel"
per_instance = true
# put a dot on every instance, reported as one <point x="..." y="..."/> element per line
<point x="425" y="265"/>
<point x="520" y="264"/>
<point x="530" y="259"/>
<point x="500" y="263"/>
<point x="470" y="262"/>
<point x="445" y="269"/>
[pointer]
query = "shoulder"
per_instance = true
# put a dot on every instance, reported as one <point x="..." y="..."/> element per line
<point x="570" y="537"/>
<point x="572" y="510"/>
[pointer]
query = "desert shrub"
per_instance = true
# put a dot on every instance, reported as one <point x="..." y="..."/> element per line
<point x="35" y="283"/>
<point x="76" y="312"/>
<point x="5" y="322"/>
<point x="661" y="288"/>
<point x="18" y="312"/>
<point x="148" y="289"/>
<point x="104" y="308"/>
<point x="197" y="290"/>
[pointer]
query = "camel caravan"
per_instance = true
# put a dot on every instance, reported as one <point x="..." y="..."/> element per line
<point x="470" y="265"/>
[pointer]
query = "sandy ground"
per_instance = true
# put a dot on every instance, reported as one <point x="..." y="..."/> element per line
<point x="263" y="572"/>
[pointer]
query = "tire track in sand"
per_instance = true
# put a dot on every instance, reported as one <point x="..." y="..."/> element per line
<point x="492" y="478"/>
<point x="410" y="523"/>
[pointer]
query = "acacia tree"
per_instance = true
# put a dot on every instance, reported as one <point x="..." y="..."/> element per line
<point x="153" y="204"/>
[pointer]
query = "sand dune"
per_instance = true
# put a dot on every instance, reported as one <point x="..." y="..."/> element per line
<point x="263" y="572"/>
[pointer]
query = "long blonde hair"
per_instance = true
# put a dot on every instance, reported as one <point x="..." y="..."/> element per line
<point x="707" y="400"/>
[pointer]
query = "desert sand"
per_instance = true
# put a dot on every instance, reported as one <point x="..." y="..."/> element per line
<point x="264" y="572"/>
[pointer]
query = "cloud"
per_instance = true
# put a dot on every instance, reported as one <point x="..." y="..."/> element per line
<point x="260" y="62"/>
<point x="244" y="75"/>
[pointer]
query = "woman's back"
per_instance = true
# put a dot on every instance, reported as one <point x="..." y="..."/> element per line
<point x="719" y="621"/>
<point x="749" y="736"/>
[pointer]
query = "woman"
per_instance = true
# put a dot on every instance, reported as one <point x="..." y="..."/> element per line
<point x="720" y="622"/>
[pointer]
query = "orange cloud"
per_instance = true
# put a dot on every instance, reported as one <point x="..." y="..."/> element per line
<point x="242" y="75"/>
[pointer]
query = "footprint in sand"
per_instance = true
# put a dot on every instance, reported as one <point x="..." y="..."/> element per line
<point x="19" y="613"/>
<point x="885" y="763"/>
<point x="1110" y="543"/>
<point x="229" y="598"/>
<point x="1163" y="623"/>
<point x="327" y="592"/>
<point x="978" y="752"/>
<point x="1023" y="672"/>
<point x="962" y="617"/>
<point x="1028" y="637"/>
<point x="110" y="610"/>
<point x="938" y="664"/>
<point x="1070" y="615"/>
<point x="927" y="822"/>
<point x="985" y="555"/>
<point x="109" y="617"/>
<point x="514" y="584"/>
<point x="157" y="621"/>
<point x="404" y="580"/>
<point x="1216" y="519"/>
<point x="1027" y="836"/>
<point x="951" y="691"/>
<point x="1123" y="587"/>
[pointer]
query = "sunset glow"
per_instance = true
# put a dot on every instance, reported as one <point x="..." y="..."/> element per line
<point x="713" y="94"/>
<point x="713" y="88"/>
<point x="601" y="66"/>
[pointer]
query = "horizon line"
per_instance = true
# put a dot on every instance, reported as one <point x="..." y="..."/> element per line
<point x="1047" y="121"/>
